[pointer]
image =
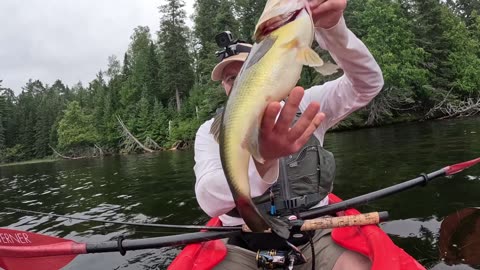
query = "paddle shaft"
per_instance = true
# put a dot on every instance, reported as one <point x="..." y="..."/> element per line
<point x="157" y="242"/>
<point x="372" y="196"/>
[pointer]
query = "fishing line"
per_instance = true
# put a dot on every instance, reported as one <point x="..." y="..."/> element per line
<point x="172" y="226"/>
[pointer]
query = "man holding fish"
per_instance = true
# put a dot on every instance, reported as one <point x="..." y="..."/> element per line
<point x="254" y="151"/>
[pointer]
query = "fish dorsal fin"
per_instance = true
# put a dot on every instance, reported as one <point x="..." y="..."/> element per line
<point x="259" y="50"/>
<point x="215" y="128"/>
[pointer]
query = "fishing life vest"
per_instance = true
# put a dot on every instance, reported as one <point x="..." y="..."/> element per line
<point x="305" y="178"/>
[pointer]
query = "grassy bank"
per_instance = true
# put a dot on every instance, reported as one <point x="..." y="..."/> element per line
<point x="34" y="161"/>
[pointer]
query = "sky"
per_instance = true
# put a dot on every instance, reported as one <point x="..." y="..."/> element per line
<point x="66" y="39"/>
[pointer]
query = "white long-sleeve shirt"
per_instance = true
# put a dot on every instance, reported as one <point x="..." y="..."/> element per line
<point x="361" y="82"/>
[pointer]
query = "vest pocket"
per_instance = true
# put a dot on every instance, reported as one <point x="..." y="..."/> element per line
<point x="302" y="171"/>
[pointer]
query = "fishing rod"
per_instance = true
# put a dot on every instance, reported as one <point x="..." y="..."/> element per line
<point x="305" y="225"/>
<point x="154" y="225"/>
<point x="36" y="248"/>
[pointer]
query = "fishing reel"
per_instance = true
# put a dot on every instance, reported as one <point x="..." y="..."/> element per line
<point x="279" y="259"/>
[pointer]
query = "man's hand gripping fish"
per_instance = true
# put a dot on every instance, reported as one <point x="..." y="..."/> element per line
<point x="284" y="36"/>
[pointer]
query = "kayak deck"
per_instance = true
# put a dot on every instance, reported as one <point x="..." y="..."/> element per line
<point x="369" y="240"/>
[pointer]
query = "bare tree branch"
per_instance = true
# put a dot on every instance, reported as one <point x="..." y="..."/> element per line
<point x="65" y="157"/>
<point x="131" y="143"/>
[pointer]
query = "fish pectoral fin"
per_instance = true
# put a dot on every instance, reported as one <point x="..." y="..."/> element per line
<point x="292" y="44"/>
<point x="251" y="142"/>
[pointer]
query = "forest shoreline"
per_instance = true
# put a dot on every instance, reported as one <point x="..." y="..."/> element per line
<point x="190" y="143"/>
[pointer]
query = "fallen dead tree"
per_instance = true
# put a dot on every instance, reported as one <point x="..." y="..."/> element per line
<point x="131" y="143"/>
<point x="466" y="108"/>
<point x="178" y="145"/>
<point x="152" y="144"/>
<point x="455" y="108"/>
<point x="84" y="151"/>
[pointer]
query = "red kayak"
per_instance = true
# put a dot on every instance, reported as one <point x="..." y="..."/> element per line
<point x="368" y="240"/>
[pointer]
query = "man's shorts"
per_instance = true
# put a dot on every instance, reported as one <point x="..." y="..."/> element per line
<point x="326" y="254"/>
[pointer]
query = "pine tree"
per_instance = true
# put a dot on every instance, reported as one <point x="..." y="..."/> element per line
<point x="176" y="62"/>
<point x="430" y="28"/>
<point x="211" y="18"/>
<point x="249" y="12"/>
<point x="465" y="9"/>
<point x="144" y="119"/>
<point x="390" y="38"/>
<point x="3" y="105"/>
<point x="463" y="55"/>
<point x="159" y="125"/>
<point x="76" y="128"/>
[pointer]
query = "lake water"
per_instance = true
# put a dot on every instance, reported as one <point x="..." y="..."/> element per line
<point x="159" y="188"/>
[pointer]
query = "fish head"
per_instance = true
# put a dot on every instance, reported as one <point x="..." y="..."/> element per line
<point x="276" y="14"/>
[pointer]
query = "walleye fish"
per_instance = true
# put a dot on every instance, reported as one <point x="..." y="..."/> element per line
<point x="283" y="39"/>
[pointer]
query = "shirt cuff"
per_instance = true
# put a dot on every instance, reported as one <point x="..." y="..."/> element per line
<point x="268" y="179"/>
<point x="271" y="175"/>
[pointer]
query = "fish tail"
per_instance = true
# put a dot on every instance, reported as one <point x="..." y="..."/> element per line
<point x="250" y="214"/>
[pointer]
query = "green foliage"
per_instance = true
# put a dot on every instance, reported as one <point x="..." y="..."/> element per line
<point x="11" y="154"/>
<point x="463" y="56"/>
<point x="159" y="123"/>
<point x="76" y="128"/>
<point x="3" y="105"/>
<point x="389" y="37"/>
<point x="184" y="130"/>
<point x="248" y="12"/>
<point x="465" y="9"/>
<point x="211" y="18"/>
<point x="2" y="134"/>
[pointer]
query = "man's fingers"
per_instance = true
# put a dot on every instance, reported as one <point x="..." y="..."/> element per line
<point x="309" y="131"/>
<point x="304" y="121"/>
<point x="315" y="3"/>
<point x="269" y="116"/>
<point x="289" y="110"/>
<point x="329" y="6"/>
<point x="323" y="7"/>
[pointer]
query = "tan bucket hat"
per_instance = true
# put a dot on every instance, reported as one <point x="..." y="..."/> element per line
<point x="240" y="57"/>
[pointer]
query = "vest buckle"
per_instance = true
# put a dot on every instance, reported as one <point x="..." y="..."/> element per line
<point x="296" y="202"/>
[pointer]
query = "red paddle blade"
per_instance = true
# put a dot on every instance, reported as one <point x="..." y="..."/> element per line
<point x="453" y="169"/>
<point x="20" y="250"/>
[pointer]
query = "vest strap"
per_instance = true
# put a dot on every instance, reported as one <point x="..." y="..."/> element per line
<point x="280" y="205"/>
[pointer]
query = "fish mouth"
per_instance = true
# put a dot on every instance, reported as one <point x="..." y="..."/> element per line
<point x="276" y="22"/>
